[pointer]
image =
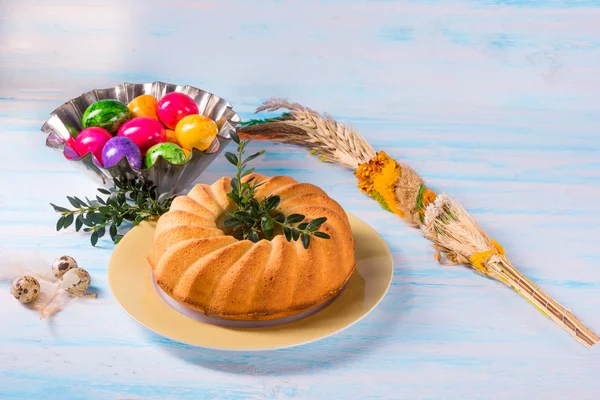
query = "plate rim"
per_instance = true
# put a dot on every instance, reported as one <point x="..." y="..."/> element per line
<point x="280" y="347"/>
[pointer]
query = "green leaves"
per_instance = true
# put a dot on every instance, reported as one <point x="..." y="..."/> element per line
<point x="248" y="172"/>
<point x="305" y="240"/>
<point x="272" y="202"/>
<point x="253" y="236"/>
<point x="256" y="220"/>
<point x="75" y="202"/>
<point x="59" y="209"/>
<point x="295" y="234"/>
<point x="60" y="223"/>
<point x="267" y="225"/>
<point x="322" y="235"/>
<point x="294" y="218"/>
<point x="253" y="156"/>
<point x="315" y="223"/>
<point x="232" y="158"/>
<point x="94" y="238"/>
<point x="132" y="201"/>
<point x="78" y="223"/>
<point x="68" y="220"/>
<point x="279" y="217"/>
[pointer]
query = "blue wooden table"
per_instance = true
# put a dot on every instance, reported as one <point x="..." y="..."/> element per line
<point x="496" y="102"/>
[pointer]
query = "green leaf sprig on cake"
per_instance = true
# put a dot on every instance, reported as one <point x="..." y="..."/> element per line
<point x="255" y="220"/>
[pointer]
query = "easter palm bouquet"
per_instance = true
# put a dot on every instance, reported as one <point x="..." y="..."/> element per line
<point x="455" y="235"/>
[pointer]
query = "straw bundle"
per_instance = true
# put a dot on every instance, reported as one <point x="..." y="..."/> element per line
<point x="456" y="237"/>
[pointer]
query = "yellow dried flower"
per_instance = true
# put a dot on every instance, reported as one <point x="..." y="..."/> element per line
<point x="378" y="178"/>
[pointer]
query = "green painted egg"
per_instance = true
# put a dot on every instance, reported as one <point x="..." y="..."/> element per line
<point x="108" y="114"/>
<point x="170" y="151"/>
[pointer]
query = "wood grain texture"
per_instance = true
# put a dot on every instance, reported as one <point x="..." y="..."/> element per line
<point x="494" y="101"/>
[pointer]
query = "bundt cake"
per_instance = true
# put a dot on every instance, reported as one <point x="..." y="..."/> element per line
<point x="198" y="264"/>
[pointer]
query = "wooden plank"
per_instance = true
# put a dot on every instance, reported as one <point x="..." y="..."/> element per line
<point x="495" y="102"/>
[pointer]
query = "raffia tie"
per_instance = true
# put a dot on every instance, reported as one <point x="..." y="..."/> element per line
<point x="479" y="260"/>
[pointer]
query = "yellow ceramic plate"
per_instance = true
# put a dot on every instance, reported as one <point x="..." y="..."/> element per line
<point x="130" y="280"/>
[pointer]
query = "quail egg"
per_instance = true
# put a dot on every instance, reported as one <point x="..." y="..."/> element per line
<point x="75" y="281"/>
<point x="25" y="289"/>
<point x="62" y="265"/>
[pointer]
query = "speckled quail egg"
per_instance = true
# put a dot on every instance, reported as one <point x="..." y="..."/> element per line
<point x="75" y="280"/>
<point x="62" y="265"/>
<point x="25" y="289"/>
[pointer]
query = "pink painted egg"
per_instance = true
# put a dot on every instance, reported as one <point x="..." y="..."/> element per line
<point x="70" y="146"/>
<point x="175" y="106"/>
<point x="92" y="140"/>
<point x="145" y="132"/>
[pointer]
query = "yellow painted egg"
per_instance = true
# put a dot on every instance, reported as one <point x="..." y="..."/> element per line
<point x="196" y="131"/>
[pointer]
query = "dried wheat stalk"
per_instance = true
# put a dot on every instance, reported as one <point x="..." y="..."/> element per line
<point x="459" y="238"/>
<point x="335" y="142"/>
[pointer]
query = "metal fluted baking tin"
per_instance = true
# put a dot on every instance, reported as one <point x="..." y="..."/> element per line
<point x="169" y="178"/>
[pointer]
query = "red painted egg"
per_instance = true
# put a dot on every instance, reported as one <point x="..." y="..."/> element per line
<point x="145" y="132"/>
<point x="174" y="106"/>
<point x="92" y="140"/>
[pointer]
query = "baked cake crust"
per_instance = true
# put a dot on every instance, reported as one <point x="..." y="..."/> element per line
<point x="198" y="265"/>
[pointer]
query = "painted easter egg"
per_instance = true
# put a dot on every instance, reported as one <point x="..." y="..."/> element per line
<point x="145" y="105"/>
<point x="173" y="106"/>
<point x="117" y="148"/>
<point x="170" y="151"/>
<point x="196" y="131"/>
<point x="73" y="132"/>
<point x="187" y="152"/>
<point x="171" y="137"/>
<point x="108" y="114"/>
<point x="70" y="146"/>
<point x="70" y="153"/>
<point x="92" y="140"/>
<point x="144" y="132"/>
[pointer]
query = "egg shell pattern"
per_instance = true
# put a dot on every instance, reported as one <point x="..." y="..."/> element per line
<point x="108" y="114"/>
<point x="170" y="152"/>
<point x="63" y="264"/>
<point x="117" y="148"/>
<point x="76" y="281"/>
<point x="25" y="289"/>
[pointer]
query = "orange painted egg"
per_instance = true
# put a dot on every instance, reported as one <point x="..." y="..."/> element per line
<point x="144" y="106"/>
<point x="171" y="137"/>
